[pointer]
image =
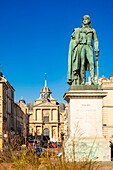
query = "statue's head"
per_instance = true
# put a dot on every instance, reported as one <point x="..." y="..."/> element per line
<point x="86" y="20"/>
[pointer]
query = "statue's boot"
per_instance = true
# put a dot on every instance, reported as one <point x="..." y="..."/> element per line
<point x="93" y="82"/>
<point x="83" y="82"/>
<point x="74" y="82"/>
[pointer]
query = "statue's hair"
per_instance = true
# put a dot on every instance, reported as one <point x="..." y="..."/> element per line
<point x="86" y="16"/>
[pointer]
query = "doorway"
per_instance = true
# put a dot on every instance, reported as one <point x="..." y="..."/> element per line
<point x="46" y="134"/>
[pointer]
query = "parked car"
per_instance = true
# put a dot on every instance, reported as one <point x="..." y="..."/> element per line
<point x="54" y="144"/>
<point x="59" y="144"/>
<point x="40" y="150"/>
<point x="31" y="144"/>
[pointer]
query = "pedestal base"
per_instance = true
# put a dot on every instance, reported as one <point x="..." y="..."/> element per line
<point x="87" y="149"/>
<point x="85" y="121"/>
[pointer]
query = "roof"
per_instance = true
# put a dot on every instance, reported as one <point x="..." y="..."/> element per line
<point x="45" y="89"/>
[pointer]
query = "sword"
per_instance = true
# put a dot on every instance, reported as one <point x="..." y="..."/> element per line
<point x="97" y="68"/>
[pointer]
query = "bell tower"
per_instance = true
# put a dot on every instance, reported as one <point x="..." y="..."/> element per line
<point x="45" y="93"/>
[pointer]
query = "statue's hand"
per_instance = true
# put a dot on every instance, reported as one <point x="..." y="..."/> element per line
<point x="97" y="54"/>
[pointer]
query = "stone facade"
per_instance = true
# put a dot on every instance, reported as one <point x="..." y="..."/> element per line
<point x="25" y="118"/>
<point x="11" y="115"/>
<point x="46" y="117"/>
<point x="6" y="108"/>
<point x="107" y="117"/>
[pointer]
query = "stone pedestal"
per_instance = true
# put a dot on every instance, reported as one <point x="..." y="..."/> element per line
<point x="85" y="121"/>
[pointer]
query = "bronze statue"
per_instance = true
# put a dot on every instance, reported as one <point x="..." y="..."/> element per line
<point x="81" y="53"/>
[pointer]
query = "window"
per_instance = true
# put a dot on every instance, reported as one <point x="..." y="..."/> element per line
<point x="45" y="119"/>
<point x="36" y="115"/>
<point x="46" y="115"/>
<point x="51" y="114"/>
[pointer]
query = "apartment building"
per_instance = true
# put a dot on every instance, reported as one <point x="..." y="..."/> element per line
<point x="6" y="108"/>
<point x="12" y="119"/>
<point x="107" y="118"/>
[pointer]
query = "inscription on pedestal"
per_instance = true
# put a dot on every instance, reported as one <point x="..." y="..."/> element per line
<point x="86" y="114"/>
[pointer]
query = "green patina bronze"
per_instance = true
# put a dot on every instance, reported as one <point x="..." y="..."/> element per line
<point x="81" y="53"/>
<point x="86" y="87"/>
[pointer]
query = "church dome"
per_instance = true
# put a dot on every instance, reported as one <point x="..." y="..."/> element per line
<point x="45" y="89"/>
<point x="45" y="93"/>
<point x="22" y="101"/>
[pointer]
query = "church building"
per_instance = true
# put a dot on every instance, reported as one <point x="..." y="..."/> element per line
<point x="46" y="116"/>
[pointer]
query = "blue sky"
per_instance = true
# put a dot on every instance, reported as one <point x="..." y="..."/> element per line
<point x="34" y="40"/>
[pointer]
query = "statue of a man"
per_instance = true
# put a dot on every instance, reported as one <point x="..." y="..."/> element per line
<point x="81" y="53"/>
